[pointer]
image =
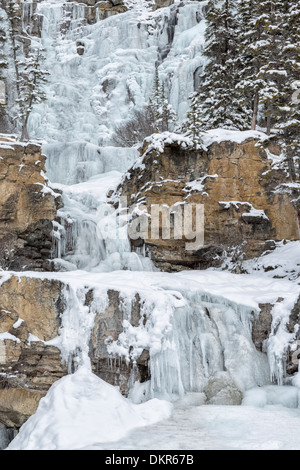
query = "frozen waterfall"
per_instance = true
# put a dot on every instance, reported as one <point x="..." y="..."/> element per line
<point x="192" y="336"/>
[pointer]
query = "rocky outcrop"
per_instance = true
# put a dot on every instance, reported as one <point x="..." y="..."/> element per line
<point x="261" y="326"/>
<point x="31" y="310"/>
<point x="221" y="390"/>
<point x="30" y="315"/>
<point x="244" y="212"/>
<point x="27" y="207"/>
<point x="108" y="327"/>
<point x="96" y="10"/>
<point x="17" y="405"/>
<point x="27" y="19"/>
<point x="162" y="3"/>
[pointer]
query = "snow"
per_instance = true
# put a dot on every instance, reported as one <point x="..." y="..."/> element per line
<point x="6" y="146"/>
<point x="96" y="417"/>
<point x="81" y="409"/>
<point x="18" y="323"/>
<point x="157" y="142"/>
<point x="9" y="336"/>
<point x="214" y="427"/>
<point x="222" y="135"/>
<point x="272" y="395"/>
<point x="282" y="262"/>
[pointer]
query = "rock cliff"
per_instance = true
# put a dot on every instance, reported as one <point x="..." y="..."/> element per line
<point x="245" y="208"/>
<point x="31" y="311"/>
<point x="27" y="207"/>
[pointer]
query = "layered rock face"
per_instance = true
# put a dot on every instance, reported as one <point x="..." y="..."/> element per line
<point x="244" y="209"/>
<point x="26" y="14"/>
<point x="108" y="326"/>
<point x="30" y="316"/>
<point x="91" y="11"/>
<point x="30" y="319"/>
<point x="30" y="311"/>
<point x="96" y="10"/>
<point x="27" y="207"/>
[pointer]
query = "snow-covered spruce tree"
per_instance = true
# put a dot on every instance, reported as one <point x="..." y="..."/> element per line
<point x="269" y="54"/>
<point x="31" y="78"/>
<point x="29" y="72"/>
<point x="13" y="15"/>
<point x="262" y="69"/>
<point x="272" y="71"/>
<point x="3" y="57"/>
<point x="193" y="125"/>
<point x="162" y="112"/>
<point x="154" y="101"/>
<point x="287" y="119"/>
<point x="216" y="96"/>
<point x="3" y="76"/>
<point x="167" y="115"/>
<point x="249" y="33"/>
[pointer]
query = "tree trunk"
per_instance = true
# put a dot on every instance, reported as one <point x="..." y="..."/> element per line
<point x="291" y="164"/>
<point x="255" y="111"/>
<point x="268" y="125"/>
<point x="25" y="135"/>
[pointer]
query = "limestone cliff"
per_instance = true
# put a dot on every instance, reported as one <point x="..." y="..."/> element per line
<point x="31" y="311"/>
<point x="27" y="207"/>
<point x="245" y="208"/>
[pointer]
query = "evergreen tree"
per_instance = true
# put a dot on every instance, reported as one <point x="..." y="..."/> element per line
<point x="288" y="105"/>
<point x="3" y="57"/>
<point x="155" y="101"/>
<point x="262" y="67"/>
<point x="3" y="67"/>
<point x="31" y="78"/>
<point x="12" y="10"/>
<point x="193" y="125"/>
<point x="162" y="112"/>
<point x="217" y="96"/>
<point x="166" y="113"/>
<point x="29" y="74"/>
